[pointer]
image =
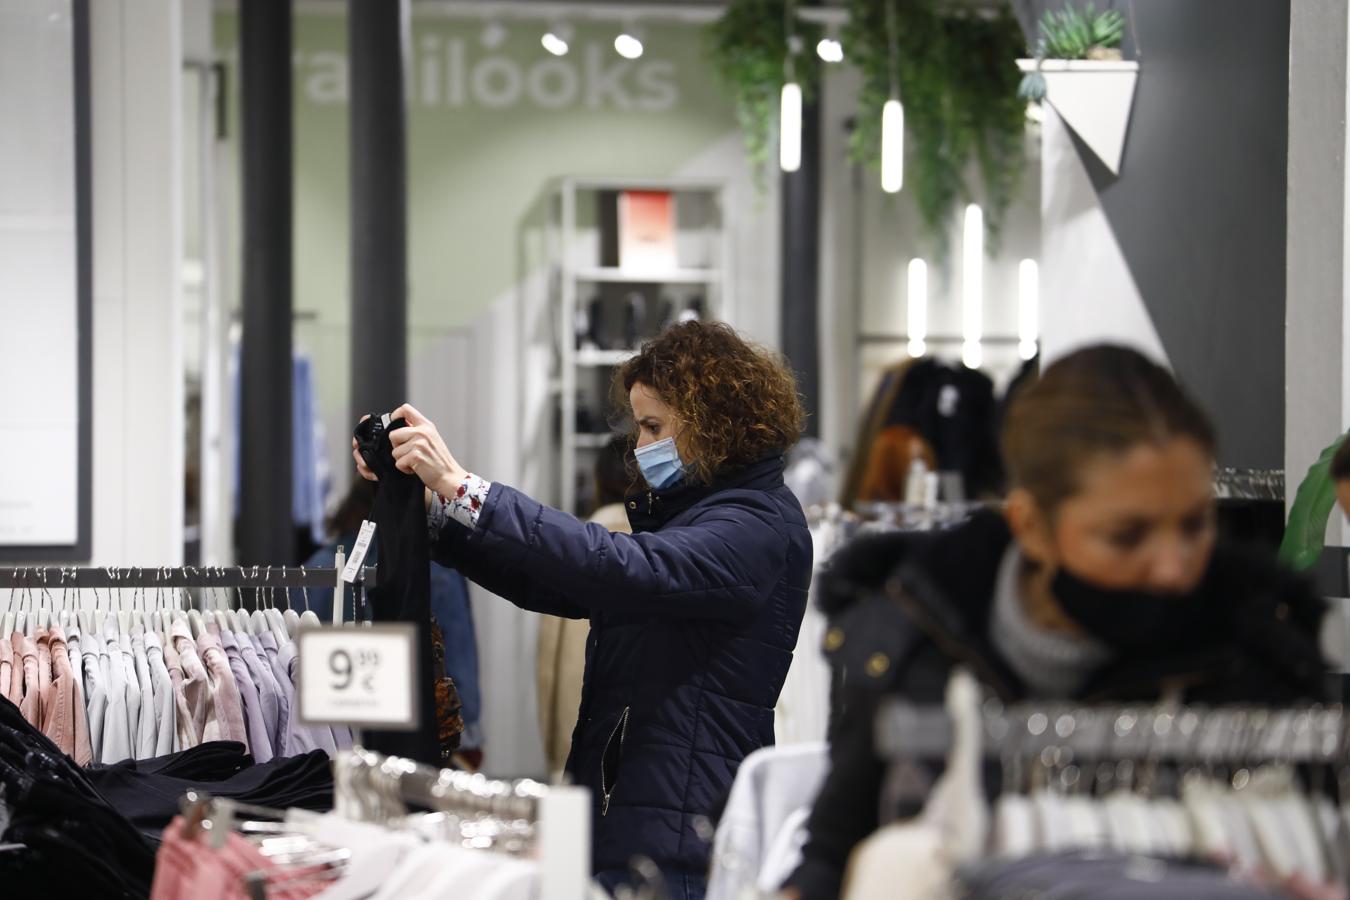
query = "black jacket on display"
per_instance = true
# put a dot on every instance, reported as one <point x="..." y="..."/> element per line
<point x="906" y="609"/>
<point x="953" y="407"/>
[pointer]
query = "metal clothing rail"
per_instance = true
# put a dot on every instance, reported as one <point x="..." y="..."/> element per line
<point x="555" y="820"/>
<point x="56" y="578"/>
<point x="1180" y="734"/>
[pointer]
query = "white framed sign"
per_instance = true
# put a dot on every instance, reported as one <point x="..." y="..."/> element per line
<point x="362" y="677"/>
<point x="45" y="281"/>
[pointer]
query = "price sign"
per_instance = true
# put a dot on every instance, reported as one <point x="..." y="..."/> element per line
<point x="361" y="677"/>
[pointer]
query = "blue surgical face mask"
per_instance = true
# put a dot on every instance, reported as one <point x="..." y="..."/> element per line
<point x="660" y="463"/>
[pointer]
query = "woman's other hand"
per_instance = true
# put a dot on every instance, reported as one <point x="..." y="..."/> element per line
<point x="419" y="450"/>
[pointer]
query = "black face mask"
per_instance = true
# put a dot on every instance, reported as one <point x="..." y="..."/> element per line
<point x="1132" y="622"/>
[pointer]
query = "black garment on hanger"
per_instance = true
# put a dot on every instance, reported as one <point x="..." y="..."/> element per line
<point x="953" y="408"/>
<point x="148" y="792"/>
<point x="73" y="838"/>
<point x="402" y="592"/>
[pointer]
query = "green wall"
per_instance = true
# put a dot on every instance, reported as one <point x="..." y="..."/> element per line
<point x="490" y="130"/>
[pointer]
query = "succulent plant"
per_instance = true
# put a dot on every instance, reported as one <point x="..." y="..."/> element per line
<point x="1073" y="33"/>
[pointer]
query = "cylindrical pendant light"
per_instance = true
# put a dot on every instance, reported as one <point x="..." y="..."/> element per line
<point x="790" y="128"/>
<point x="893" y="116"/>
<point x="972" y="287"/>
<point x="790" y="103"/>
<point x="892" y="146"/>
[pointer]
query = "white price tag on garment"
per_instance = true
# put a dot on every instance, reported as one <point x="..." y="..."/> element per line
<point x="358" y="556"/>
<point x="361" y="677"/>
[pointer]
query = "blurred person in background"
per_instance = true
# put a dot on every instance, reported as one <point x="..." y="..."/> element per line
<point x="1101" y="580"/>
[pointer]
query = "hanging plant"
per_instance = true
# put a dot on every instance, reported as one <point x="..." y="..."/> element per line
<point x="749" y="47"/>
<point x="1305" y="535"/>
<point x="1073" y="34"/>
<point x="957" y="79"/>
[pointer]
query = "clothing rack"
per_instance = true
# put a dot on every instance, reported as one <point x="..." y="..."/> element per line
<point x="268" y="585"/>
<point x="1249" y="484"/>
<point x="1179" y="734"/>
<point x="370" y="787"/>
<point x="53" y="578"/>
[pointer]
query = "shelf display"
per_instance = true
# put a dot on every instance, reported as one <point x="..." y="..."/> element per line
<point x="635" y="256"/>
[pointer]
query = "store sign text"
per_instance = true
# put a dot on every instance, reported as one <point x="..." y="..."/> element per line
<point x="455" y="73"/>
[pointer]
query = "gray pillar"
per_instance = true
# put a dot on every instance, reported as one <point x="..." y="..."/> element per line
<point x="266" y="531"/>
<point x="801" y="267"/>
<point x="1317" y="358"/>
<point x="379" y="206"/>
<point x="1317" y="312"/>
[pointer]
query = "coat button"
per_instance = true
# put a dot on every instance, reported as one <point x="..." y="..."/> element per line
<point x="878" y="664"/>
<point x="834" y="639"/>
<point x="632" y="504"/>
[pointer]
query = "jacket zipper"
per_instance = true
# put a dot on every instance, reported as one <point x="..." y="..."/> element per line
<point x="607" y="789"/>
<point x="651" y="504"/>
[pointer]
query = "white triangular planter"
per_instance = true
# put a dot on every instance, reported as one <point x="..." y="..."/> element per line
<point x="1094" y="99"/>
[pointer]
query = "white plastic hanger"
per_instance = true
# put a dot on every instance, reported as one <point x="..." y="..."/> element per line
<point x="38" y="618"/>
<point x="275" y="622"/>
<point x="21" y="615"/>
<point x="290" y="618"/>
<point x="99" y="615"/>
<point x="7" y="617"/>
<point x="1317" y="864"/>
<point x="29" y="614"/>
<point x="166" y="606"/>
<point x="238" y="617"/>
<point x="64" y="614"/>
<point x="257" y="619"/>
<point x="85" y="616"/>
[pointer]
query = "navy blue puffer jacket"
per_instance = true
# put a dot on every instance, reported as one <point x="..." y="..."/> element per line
<point x="693" y="621"/>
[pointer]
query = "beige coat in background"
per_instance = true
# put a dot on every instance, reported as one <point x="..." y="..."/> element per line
<point x="562" y="662"/>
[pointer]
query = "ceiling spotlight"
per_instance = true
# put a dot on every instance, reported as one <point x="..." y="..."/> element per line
<point x="493" y="36"/>
<point x="830" y="50"/>
<point x="629" y="43"/>
<point x="557" y="39"/>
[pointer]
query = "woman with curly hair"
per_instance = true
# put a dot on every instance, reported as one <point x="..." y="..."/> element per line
<point x="694" y="615"/>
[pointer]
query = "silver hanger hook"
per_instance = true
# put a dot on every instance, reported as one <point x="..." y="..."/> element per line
<point x="27" y="589"/>
<point x="304" y="589"/>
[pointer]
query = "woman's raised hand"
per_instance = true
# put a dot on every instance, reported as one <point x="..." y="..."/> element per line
<point x="419" y="450"/>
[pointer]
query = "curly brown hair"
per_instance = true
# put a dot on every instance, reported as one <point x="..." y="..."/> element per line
<point x="736" y="402"/>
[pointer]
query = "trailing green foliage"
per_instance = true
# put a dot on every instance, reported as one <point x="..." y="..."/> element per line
<point x="1306" y="533"/>
<point x="749" y="48"/>
<point x="957" y="78"/>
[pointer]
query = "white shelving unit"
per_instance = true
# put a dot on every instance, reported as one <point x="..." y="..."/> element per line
<point x="704" y="262"/>
<point x="612" y="275"/>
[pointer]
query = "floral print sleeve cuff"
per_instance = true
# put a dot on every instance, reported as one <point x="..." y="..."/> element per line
<point x="463" y="507"/>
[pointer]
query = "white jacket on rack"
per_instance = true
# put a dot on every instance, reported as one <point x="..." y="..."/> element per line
<point x="759" y="839"/>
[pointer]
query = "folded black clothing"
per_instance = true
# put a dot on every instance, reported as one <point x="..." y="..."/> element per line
<point x="1103" y="875"/>
<point x="70" y="833"/>
<point x="151" y="799"/>
<point x="212" y="761"/>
